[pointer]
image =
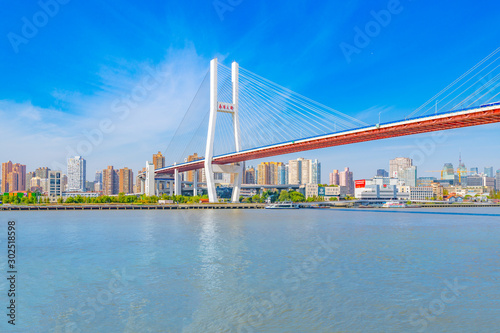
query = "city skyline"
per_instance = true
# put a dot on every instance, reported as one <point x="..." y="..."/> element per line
<point x="278" y="173"/>
<point x="325" y="171"/>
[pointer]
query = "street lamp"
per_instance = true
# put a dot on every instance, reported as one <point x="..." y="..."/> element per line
<point x="378" y="125"/>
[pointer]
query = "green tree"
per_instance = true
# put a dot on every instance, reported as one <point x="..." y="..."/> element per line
<point x="297" y="196"/>
<point x="284" y="196"/>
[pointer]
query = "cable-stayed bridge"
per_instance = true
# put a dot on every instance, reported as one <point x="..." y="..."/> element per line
<point x="238" y="116"/>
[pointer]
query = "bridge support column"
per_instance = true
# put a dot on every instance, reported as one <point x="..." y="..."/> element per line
<point x="236" y="127"/>
<point x="195" y="183"/>
<point x="177" y="183"/>
<point x="142" y="185"/>
<point x="149" y="188"/>
<point x="216" y="106"/>
<point x="209" y="151"/>
<point x="171" y="187"/>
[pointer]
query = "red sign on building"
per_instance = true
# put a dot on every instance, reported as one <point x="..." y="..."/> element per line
<point x="360" y="183"/>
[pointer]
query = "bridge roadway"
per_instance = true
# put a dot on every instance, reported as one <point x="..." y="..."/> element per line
<point x="246" y="186"/>
<point x="442" y="121"/>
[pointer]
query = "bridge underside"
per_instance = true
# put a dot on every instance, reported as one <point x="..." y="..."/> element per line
<point x="425" y="125"/>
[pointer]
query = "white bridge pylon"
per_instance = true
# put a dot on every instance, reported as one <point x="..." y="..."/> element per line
<point x="232" y="108"/>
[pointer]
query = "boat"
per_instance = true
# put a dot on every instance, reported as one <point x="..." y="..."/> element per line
<point x="283" y="205"/>
<point x="394" y="204"/>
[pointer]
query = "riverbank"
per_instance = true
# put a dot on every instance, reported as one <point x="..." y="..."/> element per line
<point x="128" y="207"/>
<point x="58" y="207"/>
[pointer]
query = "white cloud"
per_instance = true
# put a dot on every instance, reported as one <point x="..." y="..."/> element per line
<point x="142" y="104"/>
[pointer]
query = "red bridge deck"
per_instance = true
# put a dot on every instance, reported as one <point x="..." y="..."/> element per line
<point x="466" y="118"/>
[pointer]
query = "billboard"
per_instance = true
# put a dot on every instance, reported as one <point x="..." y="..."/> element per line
<point x="360" y="183"/>
<point x="321" y="191"/>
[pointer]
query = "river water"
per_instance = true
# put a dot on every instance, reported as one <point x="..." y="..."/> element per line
<point x="407" y="270"/>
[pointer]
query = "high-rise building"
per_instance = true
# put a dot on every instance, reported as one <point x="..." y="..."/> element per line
<point x="497" y="181"/>
<point x="89" y="186"/>
<point x="98" y="181"/>
<point x="346" y="179"/>
<point x="425" y="181"/>
<point x="42" y="172"/>
<point x="287" y="174"/>
<point x="45" y="185"/>
<point x="269" y="173"/>
<point x="488" y="171"/>
<point x="489" y="182"/>
<point x="274" y="168"/>
<point x="110" y="181"/>
<point x="98" y="177"/>
<point x="315" y="172"/>
<point x="301" y="170"/>
<point x="474" y="170"/>
<point x="398" y="164"/>
<point x="29" y="176"/>
<point x="448" y="171"/>
<point x="475" y="180"/>
<point x="54" y="184"/>
<point x="382" y="173"/>
<point x="35" y="184"/>
<point x="264" y="174"/>
<point x="305" y="177"/>
<point x="190" y="174"/>
<point x="158" y="160"/>
<point x="409" y="176"/>
<point x="282" y="174"/>
<point x="295" y="171"/>
<point x="462" y="172"/>
<point x="249" y="175"/>
<point x="64" y="182"/>
<point x="13" y="177"/>
<point x="334" y="177"/>
<point x="126" y="179"/>
<point x="77" y="171"/>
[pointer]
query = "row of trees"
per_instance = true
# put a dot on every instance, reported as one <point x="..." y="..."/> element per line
<point x="128" y="199"/>
<point x="121" y="198"/>
<point x="16" y="200"/>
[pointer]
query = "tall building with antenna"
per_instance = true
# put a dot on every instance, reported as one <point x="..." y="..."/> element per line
<point x="461" y="171"/>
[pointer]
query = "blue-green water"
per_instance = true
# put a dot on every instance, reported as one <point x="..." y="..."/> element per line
<point x="255" y="271"/>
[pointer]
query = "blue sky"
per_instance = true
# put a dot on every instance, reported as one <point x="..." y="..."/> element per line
<point x="79" y="64"/>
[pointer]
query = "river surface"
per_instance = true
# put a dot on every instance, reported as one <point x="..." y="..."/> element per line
<point x="407" y="270"/>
